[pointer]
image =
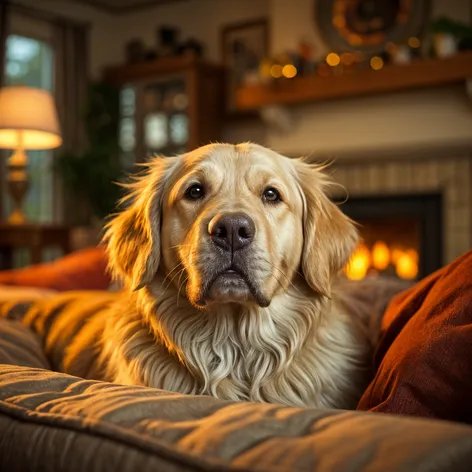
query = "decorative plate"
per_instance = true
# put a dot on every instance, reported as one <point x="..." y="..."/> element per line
<point x="367" y="25"/>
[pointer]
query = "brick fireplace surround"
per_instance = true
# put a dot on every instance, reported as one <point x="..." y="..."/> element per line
<point x="449" y="175"/>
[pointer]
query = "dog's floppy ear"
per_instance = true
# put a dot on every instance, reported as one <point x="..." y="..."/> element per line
<point x="329" y="236"/>
<point x="133" y="237"/>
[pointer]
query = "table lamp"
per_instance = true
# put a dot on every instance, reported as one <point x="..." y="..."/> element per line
<point x="28" y="120"/>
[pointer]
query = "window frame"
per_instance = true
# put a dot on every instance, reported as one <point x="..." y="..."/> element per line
<point x="42" y="31"/>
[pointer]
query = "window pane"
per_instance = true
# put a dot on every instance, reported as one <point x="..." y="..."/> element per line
<point x="127" y="134"/>
<point x="30" y="62"/>
<point x="155" y="131"/>
<point x="128" y="102"/>
<point x="179" y="128"/>
<point x="39" y="202"/>
<point x="127" y="128"/>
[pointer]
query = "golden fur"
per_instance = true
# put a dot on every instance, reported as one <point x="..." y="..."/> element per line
<point x="287" y="339"/>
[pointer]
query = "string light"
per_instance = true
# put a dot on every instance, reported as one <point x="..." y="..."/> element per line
<point x="333" y="59"/>
<point x="414" y="42"/>
<point x="376" y="63"/>
<point x="289" y="71"/>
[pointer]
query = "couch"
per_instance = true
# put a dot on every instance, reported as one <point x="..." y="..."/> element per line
<point x="60" y="423"/>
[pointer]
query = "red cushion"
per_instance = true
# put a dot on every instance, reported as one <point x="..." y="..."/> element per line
<point x="424" y="357"/>
<point x="80" y="270"/>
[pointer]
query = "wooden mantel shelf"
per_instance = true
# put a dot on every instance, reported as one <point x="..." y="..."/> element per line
<point x="391" y="78"/>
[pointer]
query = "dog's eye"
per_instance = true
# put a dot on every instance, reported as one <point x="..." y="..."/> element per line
<point x="195" y="192"/>
<point x="271" y="195"/>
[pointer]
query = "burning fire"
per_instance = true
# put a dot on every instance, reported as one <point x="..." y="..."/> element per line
<point x="380" y="258"/>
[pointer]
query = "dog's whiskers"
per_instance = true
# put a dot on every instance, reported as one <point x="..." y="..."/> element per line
<point x="182" y="262"/>
<point x="178" y="246"/>
<point x="173" y="278"/>
<point x="171" y="272"/>
<point x="271" y="264"/>
<point x="180" y="288"/>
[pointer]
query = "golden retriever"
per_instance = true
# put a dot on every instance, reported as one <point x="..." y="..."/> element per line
<point x="229" y="254"/>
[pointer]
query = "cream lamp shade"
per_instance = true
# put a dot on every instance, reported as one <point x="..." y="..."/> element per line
<point x="28" y="119"/>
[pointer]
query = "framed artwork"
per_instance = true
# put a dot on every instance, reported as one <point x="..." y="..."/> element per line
<point x="367" y="25"/>
<point x="243" y="45"/>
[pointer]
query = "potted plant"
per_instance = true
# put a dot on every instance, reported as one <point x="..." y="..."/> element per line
<point x="449" y="36"/>
<point x="89" y="174"/>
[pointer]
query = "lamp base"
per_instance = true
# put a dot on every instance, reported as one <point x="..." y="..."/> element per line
<point x="18" y="185"/>
<point x="17" y="217"/>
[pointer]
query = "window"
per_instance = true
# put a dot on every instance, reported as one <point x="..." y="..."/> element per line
<point x="30" y="62"/>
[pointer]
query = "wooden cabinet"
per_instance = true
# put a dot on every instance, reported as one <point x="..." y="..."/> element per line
<point x="168" y="106"/>
<point x="34" y="237"/>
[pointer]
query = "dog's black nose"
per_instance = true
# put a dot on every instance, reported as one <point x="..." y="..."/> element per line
<point x="232" y="231"/>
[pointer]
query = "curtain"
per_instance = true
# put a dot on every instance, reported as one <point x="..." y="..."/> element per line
<point x="70" y="42"/>
<point x="3" y="36"/>
<point x="4" y="9"/>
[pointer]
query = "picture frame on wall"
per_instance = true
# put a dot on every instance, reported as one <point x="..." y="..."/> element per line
<point x="362" y="25"/>
<point x="243" y="46"/>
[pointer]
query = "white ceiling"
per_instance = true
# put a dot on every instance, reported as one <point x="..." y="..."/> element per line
<point x="123" y="6"/>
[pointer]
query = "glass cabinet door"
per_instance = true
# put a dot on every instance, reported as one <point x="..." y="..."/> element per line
<point x="154" y="120"/>
<point x="127" y="129"/>
<point x="165" y="119"/>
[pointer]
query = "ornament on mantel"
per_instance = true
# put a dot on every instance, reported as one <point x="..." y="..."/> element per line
<point x="299" y="62"/>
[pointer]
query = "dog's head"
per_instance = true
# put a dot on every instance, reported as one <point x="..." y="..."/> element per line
<point x="230" y="224"/>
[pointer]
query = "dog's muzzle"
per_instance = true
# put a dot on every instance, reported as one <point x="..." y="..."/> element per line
<point x="228" y="277"/>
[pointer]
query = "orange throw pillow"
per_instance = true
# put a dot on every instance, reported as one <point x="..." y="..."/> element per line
<point x="80" y="270"/>
<point x="424" y="356"/>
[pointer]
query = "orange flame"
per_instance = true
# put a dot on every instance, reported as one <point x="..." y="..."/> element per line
<point x="380" y="257"/>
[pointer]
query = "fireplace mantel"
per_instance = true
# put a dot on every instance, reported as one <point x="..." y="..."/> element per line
<point x="391" y="78"/>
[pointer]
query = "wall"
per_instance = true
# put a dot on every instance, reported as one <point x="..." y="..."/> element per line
<point x="397" y="122"/>
<point x="109" y="34"/>
<point x="202" y="19"/>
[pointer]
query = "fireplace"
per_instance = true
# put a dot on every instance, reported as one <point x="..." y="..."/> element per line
<point x="401" y="235"/>
<point x="423" y="196"/>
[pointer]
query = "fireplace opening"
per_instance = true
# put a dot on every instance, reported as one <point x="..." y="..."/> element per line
<point x="401" y="236"/>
